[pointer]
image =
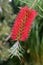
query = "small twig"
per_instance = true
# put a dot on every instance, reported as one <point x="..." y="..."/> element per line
<point x="7" y="38"/>
<point x="40" y="8"/>
<point x="33" y="4"/>
<point x="28" y="3"/>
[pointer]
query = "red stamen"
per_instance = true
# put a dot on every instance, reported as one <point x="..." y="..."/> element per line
<point x="23" y="23"/>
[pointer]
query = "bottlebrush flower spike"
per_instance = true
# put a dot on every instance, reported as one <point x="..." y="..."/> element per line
<point x="23" y="23"/>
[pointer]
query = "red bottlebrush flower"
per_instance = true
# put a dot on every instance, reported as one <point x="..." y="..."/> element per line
<point x="23" y="23"/>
